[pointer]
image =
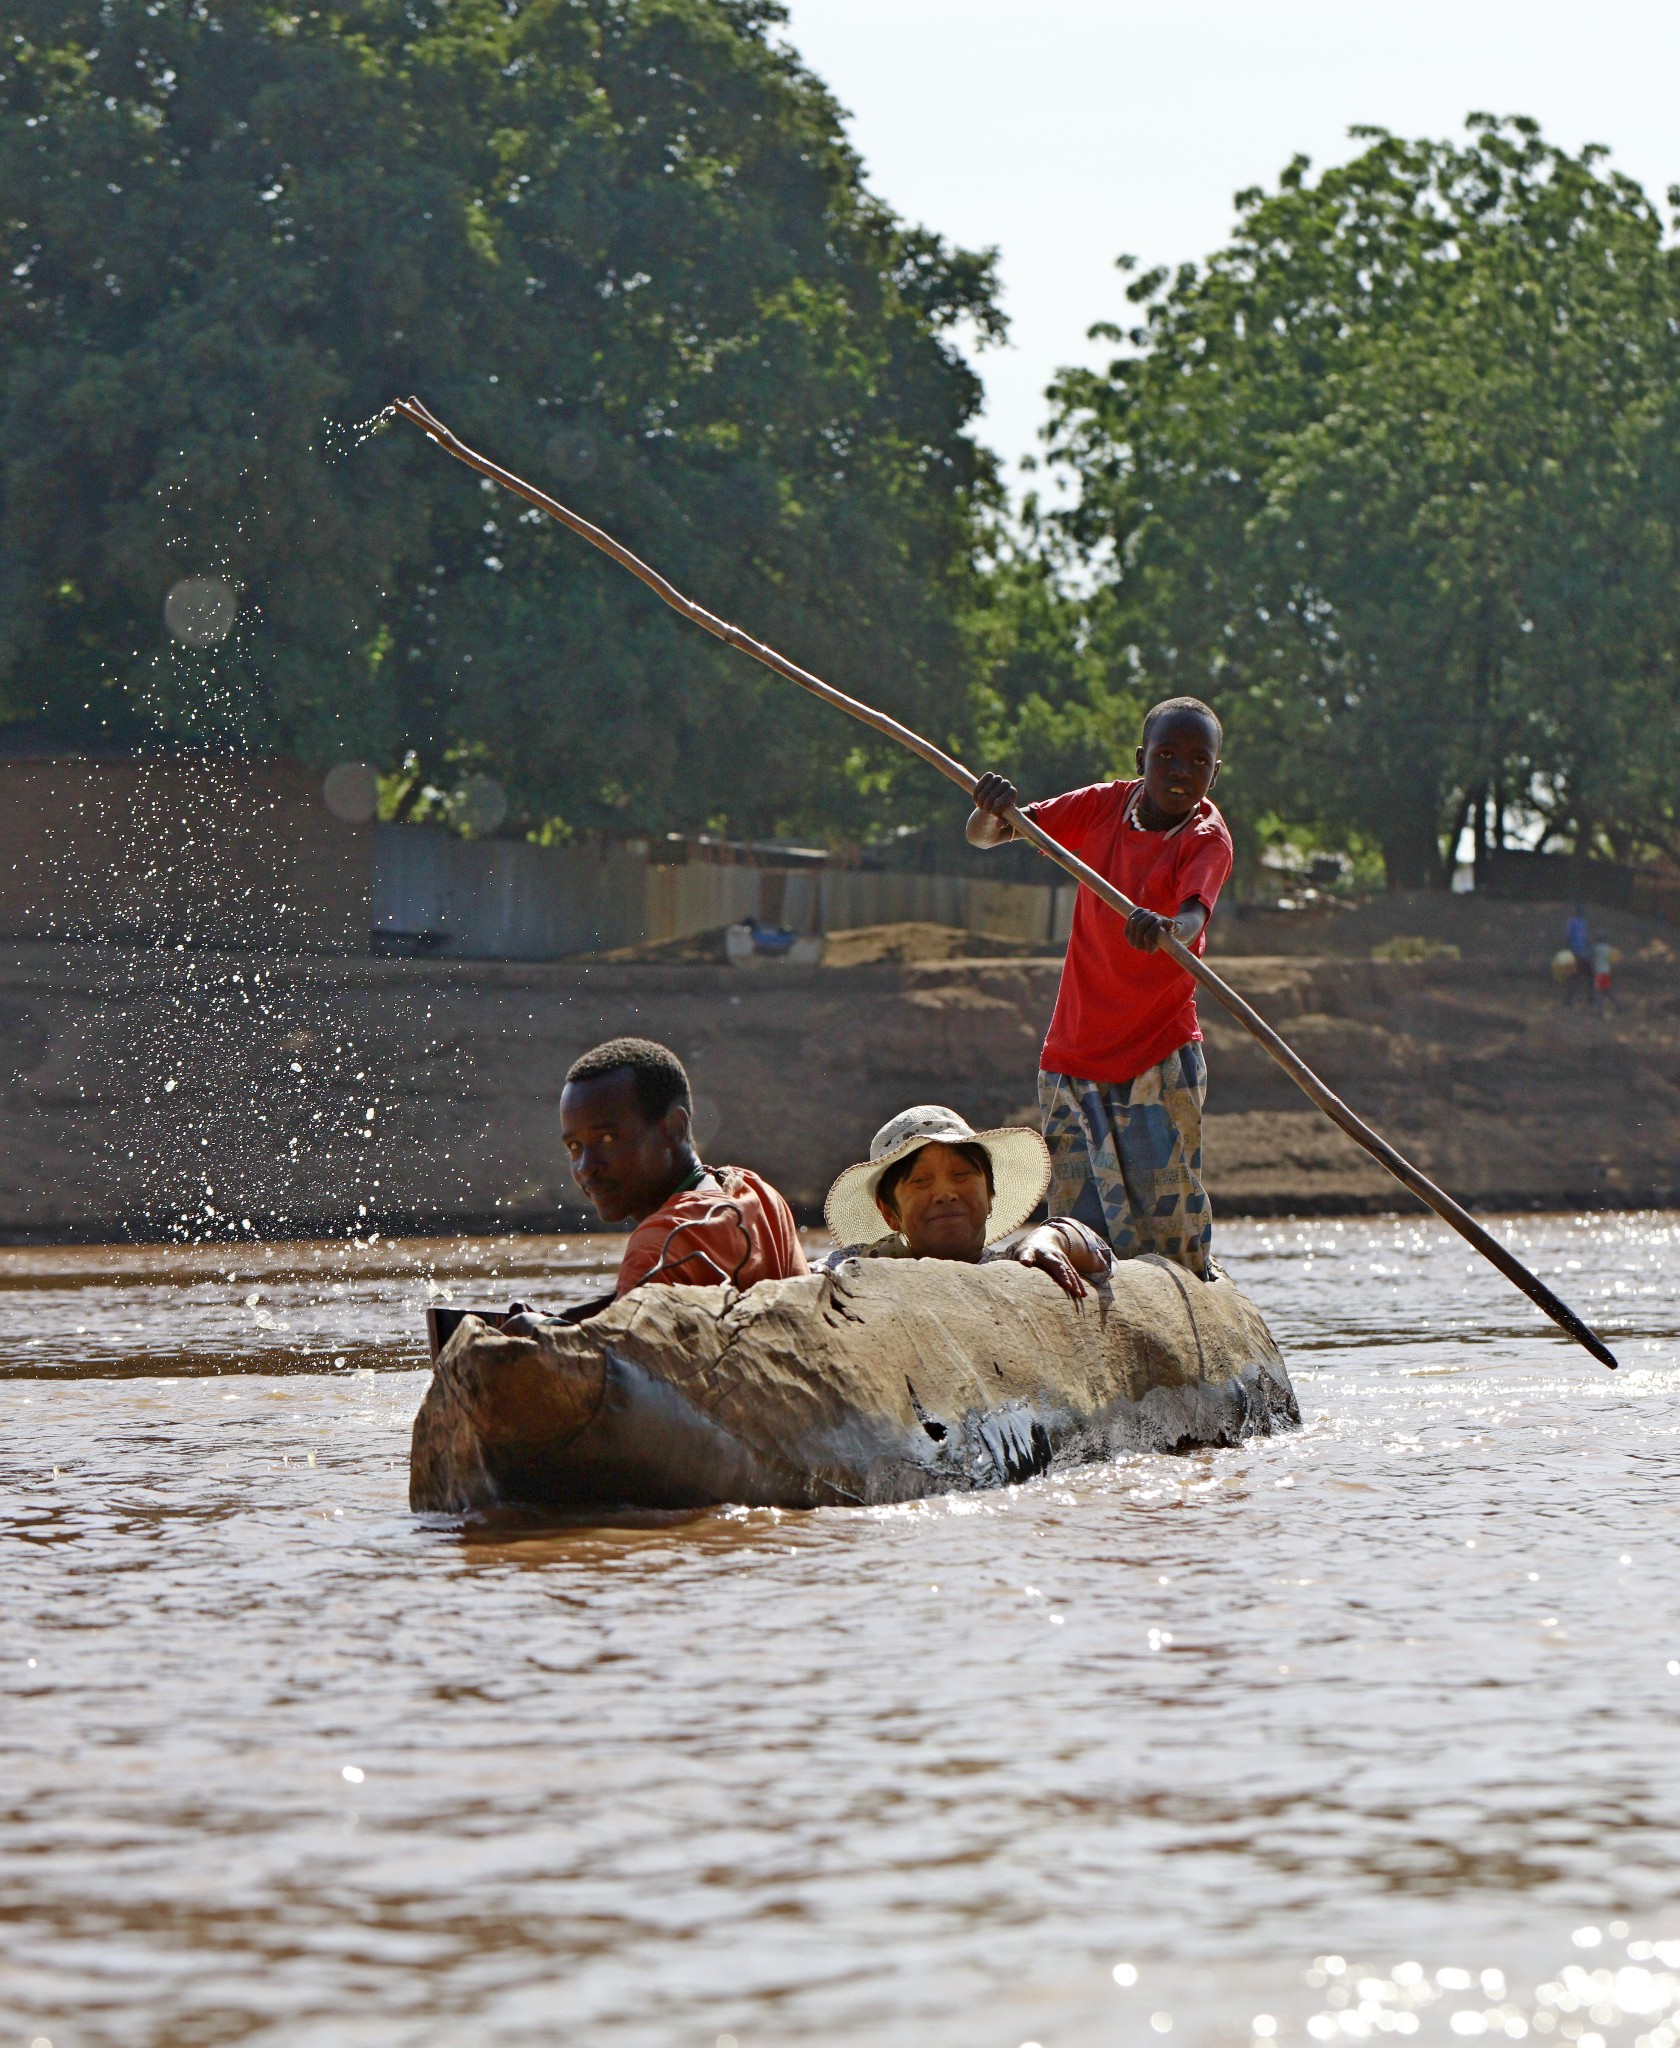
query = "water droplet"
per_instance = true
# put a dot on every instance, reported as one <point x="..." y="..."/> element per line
<point x="200" y="610"/>
<point x="479" y="805"/>
<point x="351" y="792"/>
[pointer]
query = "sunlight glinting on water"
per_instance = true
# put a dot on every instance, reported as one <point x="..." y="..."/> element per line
<point x="1364" y="1730"/>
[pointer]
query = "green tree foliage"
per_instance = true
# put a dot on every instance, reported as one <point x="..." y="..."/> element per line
<point x="620" y="244"/>
<point x="1046" y="706"/>
<point x="1395" y="480"/>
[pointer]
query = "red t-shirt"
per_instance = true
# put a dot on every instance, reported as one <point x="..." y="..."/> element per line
<point x="1118" y="1011"/>
<point x="733" y="1227"/>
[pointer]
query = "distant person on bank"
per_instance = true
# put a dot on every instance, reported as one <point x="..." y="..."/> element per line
<point x="1578" y="939"/>
<point x="625" y="1116"/>
<point x="1603" y="968"/>
<point x="933" y="1188"/>
<point x="1123" y="1077"/>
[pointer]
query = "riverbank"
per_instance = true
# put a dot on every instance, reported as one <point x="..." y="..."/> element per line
<point x="158" y="1094"/>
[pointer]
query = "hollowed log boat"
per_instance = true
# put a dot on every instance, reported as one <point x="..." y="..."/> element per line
<point x="885" y="1381"/>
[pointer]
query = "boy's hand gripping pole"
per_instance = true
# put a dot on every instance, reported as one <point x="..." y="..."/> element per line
<point x="1293" y="1065"/>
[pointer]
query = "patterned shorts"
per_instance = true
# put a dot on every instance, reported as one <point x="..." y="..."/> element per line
<point x="1126" y="1157"/>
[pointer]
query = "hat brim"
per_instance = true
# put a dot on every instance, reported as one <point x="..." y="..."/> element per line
<point x="1020" y="1175"/>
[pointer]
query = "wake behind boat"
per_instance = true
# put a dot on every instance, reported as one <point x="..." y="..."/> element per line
<point x="887" y="1380"/>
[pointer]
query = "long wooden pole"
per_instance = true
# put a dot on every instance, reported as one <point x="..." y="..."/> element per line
<point x="1293" y="1065"/>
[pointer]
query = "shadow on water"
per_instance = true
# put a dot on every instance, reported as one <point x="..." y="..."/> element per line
<point x="604" y="1536"/>
<point x="186" y="1365"/>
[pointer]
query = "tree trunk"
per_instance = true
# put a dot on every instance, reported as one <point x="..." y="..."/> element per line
<point x="420" y="781"/>
<point x="1466" y="813"/>
<point x="1585" y="828"/>
<point x="1410" y="841"/>
<point x="1481" y="819"/>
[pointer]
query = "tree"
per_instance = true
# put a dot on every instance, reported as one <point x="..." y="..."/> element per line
<point x="1045" y="705"/>
<point x="1392" y="479"/>
<point x="620" y="243"/>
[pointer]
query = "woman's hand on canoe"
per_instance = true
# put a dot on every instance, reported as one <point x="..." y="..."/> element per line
<point x="1046" y="1248"/>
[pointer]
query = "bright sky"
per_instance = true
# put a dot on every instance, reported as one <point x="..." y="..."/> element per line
<point x="1066" y="132"/>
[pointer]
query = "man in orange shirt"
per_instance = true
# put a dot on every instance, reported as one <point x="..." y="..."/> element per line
<point x="625" y="1113"/>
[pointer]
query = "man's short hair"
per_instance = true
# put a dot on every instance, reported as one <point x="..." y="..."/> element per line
<point x="660" y="1077"/>
<point x="1171" y="707"/>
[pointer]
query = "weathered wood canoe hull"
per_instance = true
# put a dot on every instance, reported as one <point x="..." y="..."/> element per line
<point x="887" y="1381"/>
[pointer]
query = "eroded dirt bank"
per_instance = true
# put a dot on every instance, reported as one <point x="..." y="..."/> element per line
<point x="145" y="1091"/>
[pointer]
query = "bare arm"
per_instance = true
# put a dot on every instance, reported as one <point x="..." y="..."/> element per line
<point x="1068" y="1252"/>
<point x="993" y="795"/>
<point x="1145" y="929"/>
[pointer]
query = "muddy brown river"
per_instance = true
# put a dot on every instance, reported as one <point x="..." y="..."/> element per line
<point x="1369" y="1730"/>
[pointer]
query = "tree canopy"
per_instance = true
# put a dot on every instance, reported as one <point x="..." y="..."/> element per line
<point x="621" y="244"/>
<point x="1394" y="480"/>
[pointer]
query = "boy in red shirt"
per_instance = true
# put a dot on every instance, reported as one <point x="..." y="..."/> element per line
<point x="624" y="1116"/>
<point x="1123" y="1077"/>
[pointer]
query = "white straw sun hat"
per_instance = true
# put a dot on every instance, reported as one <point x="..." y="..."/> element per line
<point x="1020" y="1173"/>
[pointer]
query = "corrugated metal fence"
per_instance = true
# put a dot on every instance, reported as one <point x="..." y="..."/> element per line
<point x="1560" y="878"/>
<point x="502" y="899"/>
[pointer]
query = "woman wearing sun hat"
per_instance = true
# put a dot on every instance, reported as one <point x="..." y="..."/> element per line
<point x="934" y="1188"/>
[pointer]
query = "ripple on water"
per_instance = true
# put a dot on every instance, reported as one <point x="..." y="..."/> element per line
<point x="1364" y="1730"/>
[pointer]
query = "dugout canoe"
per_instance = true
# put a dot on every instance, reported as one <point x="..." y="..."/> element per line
<point x="886" y="1381"/>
